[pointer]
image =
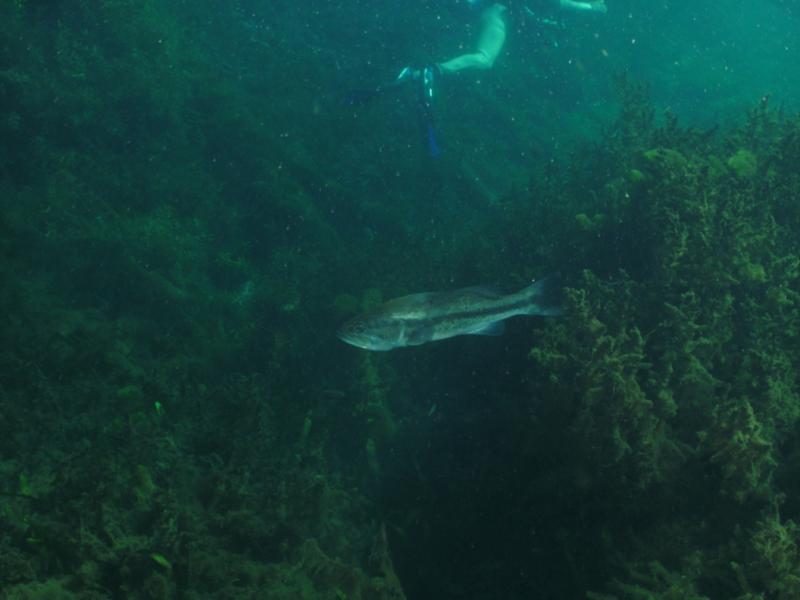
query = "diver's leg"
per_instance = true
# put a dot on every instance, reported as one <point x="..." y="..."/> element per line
<point x="598" y="6"/>
<point x="490" y="43"/>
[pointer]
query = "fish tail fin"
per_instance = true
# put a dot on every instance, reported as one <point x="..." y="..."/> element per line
<point x="545" y="297"/>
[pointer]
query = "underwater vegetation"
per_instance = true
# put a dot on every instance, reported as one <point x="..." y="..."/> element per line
<point x="177" y="419"/>
<point x="653" y="451"/>
<point x="672" y="378"/>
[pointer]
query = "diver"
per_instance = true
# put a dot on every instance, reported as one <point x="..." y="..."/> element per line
<point x="493" y="36"/>
<point x="491" y="40"/>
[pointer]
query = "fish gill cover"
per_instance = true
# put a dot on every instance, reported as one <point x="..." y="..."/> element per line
<point x="189" y="213"/>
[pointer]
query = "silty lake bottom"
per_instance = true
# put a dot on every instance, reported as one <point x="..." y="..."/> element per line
<point x="195" y="196"/>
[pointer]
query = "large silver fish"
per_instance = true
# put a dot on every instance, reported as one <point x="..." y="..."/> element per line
<point x="419" y="318"/>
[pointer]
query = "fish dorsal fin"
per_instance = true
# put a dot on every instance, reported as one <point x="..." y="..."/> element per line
<point x="407" y="307"/>
<point x="408" y="300"/>
<point x="496" y="328"/>
<point x="426" y="298"/>
<point x="483" y="291"/>
<point x="468" y="295"/>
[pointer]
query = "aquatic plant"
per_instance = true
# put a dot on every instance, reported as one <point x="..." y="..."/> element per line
<point x="653" y="581"/>
<point x="688" y="350"/>
<point x="596" y="365"/>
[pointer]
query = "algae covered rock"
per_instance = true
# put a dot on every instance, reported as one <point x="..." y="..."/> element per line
<point x="587" y="223"/>
<point x="744" y="164"/>
<point x="636" y="176"/>
<point x="665" y="158"/>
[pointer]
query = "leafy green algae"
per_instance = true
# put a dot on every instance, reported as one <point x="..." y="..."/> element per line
<point x="680" y="368"/>
<point x="147" y="332"/>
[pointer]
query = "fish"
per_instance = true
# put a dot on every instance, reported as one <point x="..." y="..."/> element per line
<point x="430" y="316"/>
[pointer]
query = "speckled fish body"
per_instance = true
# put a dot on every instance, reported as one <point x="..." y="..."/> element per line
<point x="430" y="316"/>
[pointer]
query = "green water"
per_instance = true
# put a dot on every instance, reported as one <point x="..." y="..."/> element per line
<point x="192" y="202"/>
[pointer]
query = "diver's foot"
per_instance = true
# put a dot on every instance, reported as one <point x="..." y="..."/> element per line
<point x="426" y="78"/>
<point x="430" y="75"/>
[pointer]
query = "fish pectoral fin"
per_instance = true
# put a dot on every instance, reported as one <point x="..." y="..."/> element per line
<point x="420" y="335"/>
<point x="496" y="328"/>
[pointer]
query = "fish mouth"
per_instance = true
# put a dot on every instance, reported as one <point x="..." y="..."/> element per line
<point x="348" y="338"/>
<point x="354" y="342"/>
<point x="353" y="339"/>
